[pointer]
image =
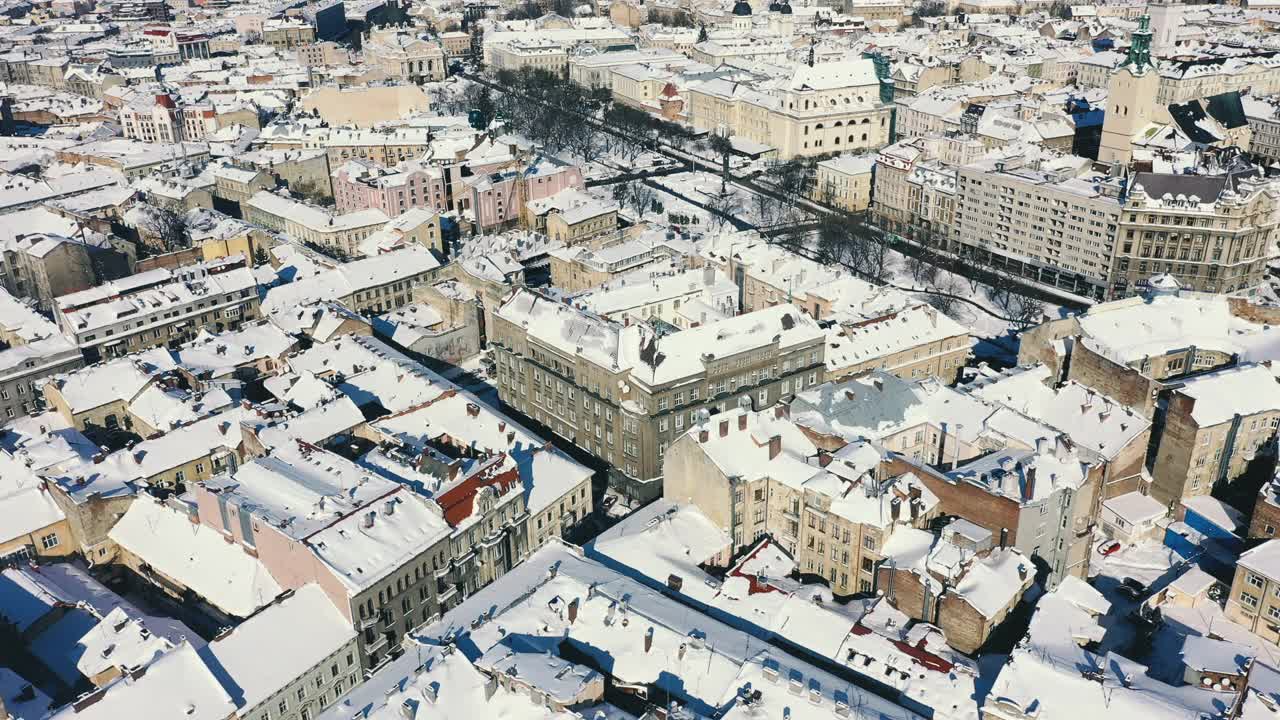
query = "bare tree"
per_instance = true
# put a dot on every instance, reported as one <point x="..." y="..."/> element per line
<point x="766" y="208"/>
<point x="1026" y="311"/>
<point x="167" y="227"/>
<point x="722" y="207"/>
<point x="878" y="260"/>
<point x="639" y="197"/>
<point x="916" y="267"/>
<point x="943" y="288"/>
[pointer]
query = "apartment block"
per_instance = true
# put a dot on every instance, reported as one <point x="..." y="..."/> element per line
<point x="31" y="349"/>
<point x="334" y="539"/>
<point x="1213" y="426"/>
<point x="755" y="474"/>
<point x="1048" y="224"/>
<point x="1254" y="601"/>
<point x="624" y="395"/>
<point x="310" y="223"/>
<point x="159" y="307"/>
<point x="1210" y="233"/>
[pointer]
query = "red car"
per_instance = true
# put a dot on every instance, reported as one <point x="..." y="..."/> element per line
<point x="1109" y="547"/>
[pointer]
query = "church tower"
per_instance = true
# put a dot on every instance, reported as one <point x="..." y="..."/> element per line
<point x="1131" y="98"/>
<point x="1166" y="21"/>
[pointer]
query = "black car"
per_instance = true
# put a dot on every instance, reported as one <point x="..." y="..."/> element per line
<point x="1131" y="589"/>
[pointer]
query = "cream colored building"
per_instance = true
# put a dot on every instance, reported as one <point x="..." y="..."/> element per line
<point x="1254" y="601"/>
<point x="604" y="387"/>
<point x="1054" y="223"/>
<point x="1215" y="425"/>
<point x="364" y="107"/>
<point x="550" y="56"/>
<point x="310" y="223"/>
<point x="405" y="57"/>
<point x="1197" y="229"/>
<point x="828" y="108"/>
<point x="845" y="182"/>
<point x="756" y="473"/>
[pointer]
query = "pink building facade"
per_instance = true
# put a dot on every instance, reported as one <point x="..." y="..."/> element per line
<point x="496" y="200"/>
<point x="362" y="185"/>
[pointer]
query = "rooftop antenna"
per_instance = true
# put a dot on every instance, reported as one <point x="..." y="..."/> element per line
<point x="813" y="42"/>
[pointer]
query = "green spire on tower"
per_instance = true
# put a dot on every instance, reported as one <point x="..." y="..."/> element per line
<point x="1140" y="47"/>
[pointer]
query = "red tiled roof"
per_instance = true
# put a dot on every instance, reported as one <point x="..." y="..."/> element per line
<point x="458" y="501"/>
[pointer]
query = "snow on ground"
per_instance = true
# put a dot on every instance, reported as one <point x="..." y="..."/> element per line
<point x="1149" y="563"/>
<point x="608" y="166"/>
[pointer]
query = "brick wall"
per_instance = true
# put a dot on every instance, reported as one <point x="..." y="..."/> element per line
<point x="1119" y="382"/>
<point x="967" y="501"/>
<point x="1266" y="516"/>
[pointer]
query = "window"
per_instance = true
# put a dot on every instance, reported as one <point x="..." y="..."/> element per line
<point x="1248" y="600"/>
<point x="50" y="541"/>
<point x="1254" y="580"/>
<point x="180" y="476"/>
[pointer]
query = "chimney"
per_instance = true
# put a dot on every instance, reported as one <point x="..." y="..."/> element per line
<point x="473" y="410"/>
<point x="742" y="421"/>
<point x="709" y="275"/>
<point x="368" y="519"/>
<point x="573" y="611"/>
<point x="703" y="435"/>
<point x="782" y="412"/>
<point x="914" y="492"/>
<point x="915" y="509"/>
<point x="724" y="428"/>
<point x="1004" y="538"/>
<point x="775" y="446"/>
<point x="683" y="648"/>
<point x="1029" y="485"/>
<point x="99" y="457"/>
<point x="895" y="509"/>
<point x="648" y="639"/>
<point x="1042" y="446"/>
<point x="502" y="425"/>
<point x="824" y="458"/>
<point x="490" y="687"/>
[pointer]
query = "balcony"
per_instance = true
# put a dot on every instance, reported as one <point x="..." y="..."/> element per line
<point x="378" y="643"/>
